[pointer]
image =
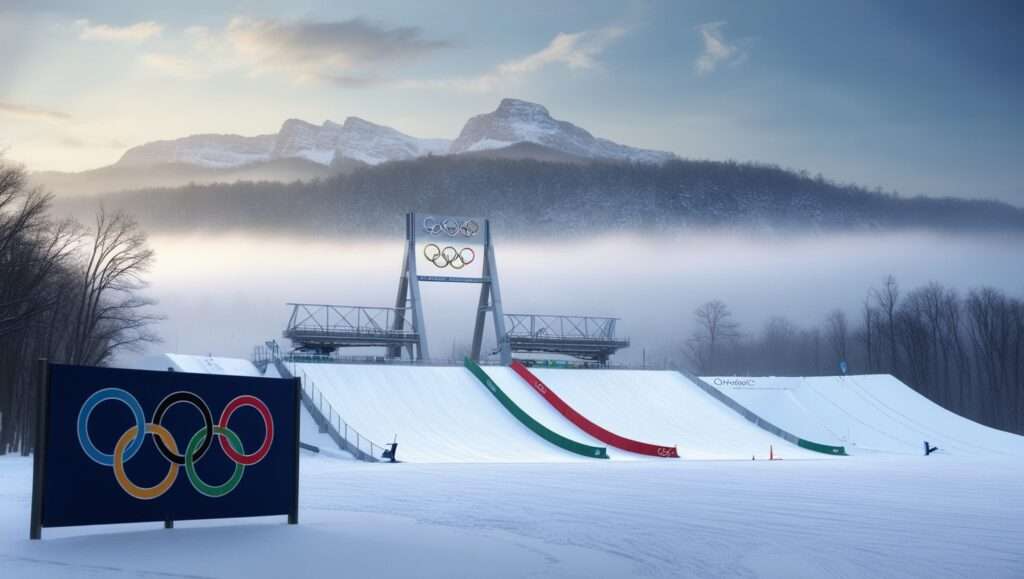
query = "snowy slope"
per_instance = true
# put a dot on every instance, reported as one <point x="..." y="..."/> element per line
<point x="439" y="414"/>
<point x="356" y="139"/>
<point x="662" y="407"/>
<point x="214" y="365"/>
<point x="215" y="151"/>
<point x="517" y="121"/>
<point x="866" y="414"/>
<point x="308" y="431"/>
<point x="536" y="406"/>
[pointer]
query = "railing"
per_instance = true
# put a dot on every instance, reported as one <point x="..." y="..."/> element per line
<point x="550" y="327"/>
<point x="354" y="442"/>
<point x="334" y="319"/>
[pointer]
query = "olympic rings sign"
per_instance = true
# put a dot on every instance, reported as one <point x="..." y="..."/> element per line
<point x="451" y="226"/>
<point x="448" y="256"/>
<point x="132" y="439"/>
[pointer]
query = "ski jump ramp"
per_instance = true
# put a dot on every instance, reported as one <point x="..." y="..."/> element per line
<point x="446" y="414"/>
<point x="865" y="414"/>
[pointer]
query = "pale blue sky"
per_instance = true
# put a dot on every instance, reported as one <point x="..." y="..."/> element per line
<point x="919" y="97"/>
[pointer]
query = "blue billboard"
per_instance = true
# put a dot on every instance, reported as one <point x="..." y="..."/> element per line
<point x="123" y="446"/>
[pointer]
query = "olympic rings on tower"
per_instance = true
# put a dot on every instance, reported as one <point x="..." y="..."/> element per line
<point x="451" y="227"/>
<point x="130" y="442"/>
<point x="448" y="256"/>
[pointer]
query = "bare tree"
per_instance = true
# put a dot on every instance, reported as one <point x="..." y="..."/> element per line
<point x="887" y="299"/>
<point x="837" y="331"/>
<point x="111" y="314"/>
<point x="56" y="303"/>
<point x="715" y="326"/>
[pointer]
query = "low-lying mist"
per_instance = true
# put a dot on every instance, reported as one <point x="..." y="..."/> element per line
<point x="224" y="294"/>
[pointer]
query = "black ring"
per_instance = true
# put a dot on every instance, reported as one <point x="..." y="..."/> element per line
<point x="189" y="398"/>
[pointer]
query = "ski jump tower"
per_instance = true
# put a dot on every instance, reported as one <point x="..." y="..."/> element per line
<point x="451" y="250"/>
<point x="448" y="249"/>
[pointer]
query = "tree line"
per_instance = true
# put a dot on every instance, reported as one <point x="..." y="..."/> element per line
<point x="530" y="197"/>
<point x="68" y="293"/>
<point x="962" y="351"/>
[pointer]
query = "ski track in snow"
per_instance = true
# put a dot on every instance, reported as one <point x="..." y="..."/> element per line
<point x="932" y="517"/>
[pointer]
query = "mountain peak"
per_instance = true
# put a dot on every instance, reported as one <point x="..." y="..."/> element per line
<point x="353" y="123"/>
<point x="519" y="121"/>
<point x="517" y="107"/>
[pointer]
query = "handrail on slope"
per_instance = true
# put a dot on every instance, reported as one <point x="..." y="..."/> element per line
<point x="330" y="422"/>
<point x="761" y="422"/>
<point x="529" y="421"/>
<point x="605" y="436"/>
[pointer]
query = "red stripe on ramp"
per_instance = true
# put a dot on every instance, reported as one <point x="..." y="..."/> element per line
<point x="587" y="426"/>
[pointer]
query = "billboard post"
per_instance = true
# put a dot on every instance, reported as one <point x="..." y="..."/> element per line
<point x="39" y="454"/>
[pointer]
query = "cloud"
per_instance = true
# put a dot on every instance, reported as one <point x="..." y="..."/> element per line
<point x="717" y="50"/>
<point x="575" y="51"/>
<point x="132" y="33"/>
<point x="578" y="51"/>
<point x="174" y="66"/>
<point x="32" y="113"/>
<point x="348" y="52"/>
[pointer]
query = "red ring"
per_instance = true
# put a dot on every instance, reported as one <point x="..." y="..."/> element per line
<point x="268" y="424"/>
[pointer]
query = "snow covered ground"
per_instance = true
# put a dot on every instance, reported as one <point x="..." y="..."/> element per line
<point x="941" y="516"/>
<point x="554" y="515"/>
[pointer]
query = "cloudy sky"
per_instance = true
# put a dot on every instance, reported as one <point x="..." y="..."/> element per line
<point x="914" y="97"/>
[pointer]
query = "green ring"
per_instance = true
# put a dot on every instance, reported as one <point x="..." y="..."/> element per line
<point x="214" y="491"/>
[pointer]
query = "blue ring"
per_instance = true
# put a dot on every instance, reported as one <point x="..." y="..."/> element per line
<point x="83" y="424"/>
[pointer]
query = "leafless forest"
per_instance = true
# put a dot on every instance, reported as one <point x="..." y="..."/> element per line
<point x="68" y="292"/>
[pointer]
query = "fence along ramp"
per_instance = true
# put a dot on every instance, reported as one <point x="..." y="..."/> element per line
<point x="330" y="422"/>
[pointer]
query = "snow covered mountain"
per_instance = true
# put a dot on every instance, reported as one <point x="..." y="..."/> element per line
<point x="515" y="124"/>
<point x="356" y="139"/>
<point x="516" y="121"/>
<point x="213" y="151"/>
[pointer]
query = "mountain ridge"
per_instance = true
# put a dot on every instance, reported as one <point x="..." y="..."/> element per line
<point x="513" y="121"/>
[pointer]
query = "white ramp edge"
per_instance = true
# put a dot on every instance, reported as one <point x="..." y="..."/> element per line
<point x="866" y="414"/>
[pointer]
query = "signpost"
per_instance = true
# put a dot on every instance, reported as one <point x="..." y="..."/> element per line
<point x="124" y="446"/>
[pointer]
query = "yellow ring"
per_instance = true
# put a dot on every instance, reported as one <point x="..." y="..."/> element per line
<point x="144" y="493"/>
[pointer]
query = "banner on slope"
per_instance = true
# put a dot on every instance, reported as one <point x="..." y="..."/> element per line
<point x="126" y="446"/>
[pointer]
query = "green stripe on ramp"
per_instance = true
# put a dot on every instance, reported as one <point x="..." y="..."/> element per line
<point x="531" y="423"/>
<point x="822" y="447"/>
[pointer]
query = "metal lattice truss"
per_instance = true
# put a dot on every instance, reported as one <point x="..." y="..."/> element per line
<point x="325" y="328"/>
<point x="586" y="337"/>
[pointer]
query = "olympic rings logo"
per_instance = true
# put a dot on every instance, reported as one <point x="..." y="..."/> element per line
<point x="131" y="441"/>
<point x="448" y="256"/>
<point x="451" y="227"/>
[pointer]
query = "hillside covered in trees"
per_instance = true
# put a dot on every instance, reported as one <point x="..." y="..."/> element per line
<point x="531" y="196"/>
